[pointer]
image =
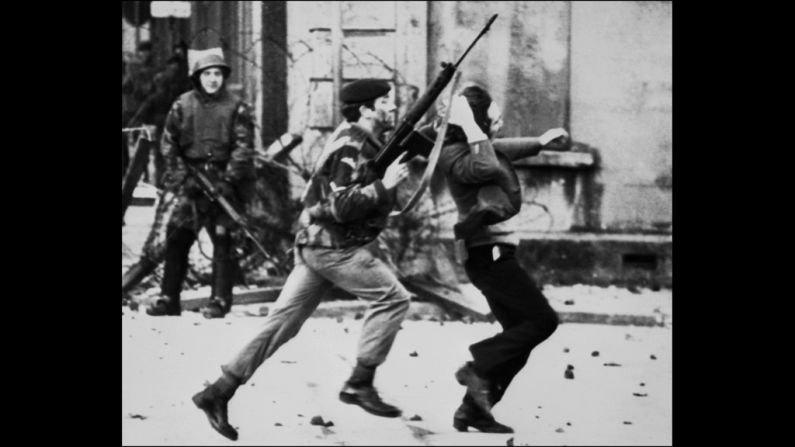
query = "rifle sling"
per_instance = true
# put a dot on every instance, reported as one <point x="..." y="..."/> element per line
<point x="433" y="158"/>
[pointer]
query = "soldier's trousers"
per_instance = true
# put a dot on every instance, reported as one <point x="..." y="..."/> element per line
<point x="517" y="303"/>
<point x="354" y="270"/>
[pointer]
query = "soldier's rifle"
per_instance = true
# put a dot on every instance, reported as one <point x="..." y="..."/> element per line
<point x="212" y="193"/>
<point x="397" y="142"/>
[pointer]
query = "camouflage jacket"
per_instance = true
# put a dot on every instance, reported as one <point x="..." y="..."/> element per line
<point x="215" y="131"/>
<point x="344" y="212"/>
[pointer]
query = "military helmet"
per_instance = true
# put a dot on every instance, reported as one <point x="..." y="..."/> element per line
<point x="210" y="60"/>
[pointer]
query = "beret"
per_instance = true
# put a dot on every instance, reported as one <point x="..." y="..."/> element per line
<point x="364" y="90"/>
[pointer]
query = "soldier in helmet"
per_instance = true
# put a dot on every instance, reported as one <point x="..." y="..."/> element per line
<point x="211" y="130"/>
<point x="341" y="218"/>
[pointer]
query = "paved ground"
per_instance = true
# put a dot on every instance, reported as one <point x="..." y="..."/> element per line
<point x="166" y="360"/>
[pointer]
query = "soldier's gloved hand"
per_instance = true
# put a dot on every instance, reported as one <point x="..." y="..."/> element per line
<point x="554" y="139"/>
<point x="225" y="189"/>
<point x="191" y="188"/>
<point x="461" y="115"/>
<point x="395" y="173"/>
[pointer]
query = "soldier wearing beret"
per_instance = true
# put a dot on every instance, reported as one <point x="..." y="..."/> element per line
<point x="213" y="131"/>
<point x="342" y="216"/>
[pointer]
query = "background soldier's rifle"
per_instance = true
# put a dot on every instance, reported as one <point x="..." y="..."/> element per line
<point x="212" y="193"/>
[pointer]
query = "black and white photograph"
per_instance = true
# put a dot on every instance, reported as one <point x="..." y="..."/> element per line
<point x="397" y="223"/>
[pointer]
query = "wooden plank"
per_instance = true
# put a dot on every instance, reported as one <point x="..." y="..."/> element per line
<point x="452" y="300"/>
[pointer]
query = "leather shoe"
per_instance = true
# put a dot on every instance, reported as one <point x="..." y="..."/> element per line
<point x="367" y="397"/>
<point x="214" y="405"/>
<point x="478" y="388"/>
<point x="471" y="416"/>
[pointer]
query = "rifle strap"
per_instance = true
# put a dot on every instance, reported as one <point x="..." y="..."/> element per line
<point x="433" y="158"/>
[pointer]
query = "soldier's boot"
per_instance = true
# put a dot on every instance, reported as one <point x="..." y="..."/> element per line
<point x="223" y="276"/>
<point x="174" y="272"/>
<point x="213" y="400"/>
<point x="135" y="274"/>
<point x="478" y="388"/>
<point x="217" y="308"/>
<point x="359" y="390"/>
<point x="165" y="306"/>
<point x="470" y="414"/>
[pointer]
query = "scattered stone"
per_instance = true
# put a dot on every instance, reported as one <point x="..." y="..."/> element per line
<point x="642" y="384"/>
<point x="136" y="416"/>
<point x="633" y="288"/>
<point x="595" y="354"/>
<point x="569" y="374"/>
<point x="568" y="423"/>
<point x="289" y="362"/>
<point x="628" y="337"/>
<point x="569" y="367"/>
<point x="540" y="407"/>
<point x="345" y="329"/>
<point x="196" y="323"/>
<point x="339" y="319"/>
<point x="537" y="417"/>
<point x="611" y="364"/>
<point x="568" y="302"/>
<point x="565" y="349"/>
<point x="559" y="430"/>
<point x="358" y="316"/>
<point x="413" y="354"/>
<point x="278" y="424"/>
<point x="317" y="420"/>
<point x="416" y="417"/>
<point x="640" y="394"/>
<point x="653" y="357"/>
<point x="627" y="423"/>
<point x="299" y="414"/>
<point x="329" y="424"/>
<point x="509" y="441"/>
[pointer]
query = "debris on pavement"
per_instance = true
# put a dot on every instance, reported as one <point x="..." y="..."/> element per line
<point x="653" y="357"/>
<point x="611" y="364"/>
<point x="416" y="417"/>
<point x="595" y="354"/>
<point x="565" y="349"/>
<point x="413" y="354"/>
<point x="627" y="423"/>
<point x="358" y="316"/>
<point x="509" y="441"/>
<point x="640" y="394"/>
<point x="136" y="416"/>
<point x="559" y="430"/>
<point x="317" y="420"/>
<point x="569" y="302"/>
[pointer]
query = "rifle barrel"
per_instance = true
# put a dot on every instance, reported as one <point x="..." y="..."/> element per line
<point x="482" y="32"/>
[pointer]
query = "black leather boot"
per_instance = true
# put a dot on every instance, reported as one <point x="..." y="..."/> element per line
<point x="213" y="401"/>
<point x="478" y="388"/>
<point x="359" y="390"/>
<point x="217" y="308"/>
<point x="470" y="415"/>
<point x="164" y="306"/>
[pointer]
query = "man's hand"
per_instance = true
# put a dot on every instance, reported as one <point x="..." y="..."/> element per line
<point x="554" y="139"/>
<point x="461" y="115"/>
<point x="395" y="173"/>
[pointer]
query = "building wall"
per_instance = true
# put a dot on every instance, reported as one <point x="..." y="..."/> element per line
<point x="621" y="103"/>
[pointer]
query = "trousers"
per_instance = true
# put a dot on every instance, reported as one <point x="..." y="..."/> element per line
<point x="517" y="303"/>
<point x="355" y="270"/>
